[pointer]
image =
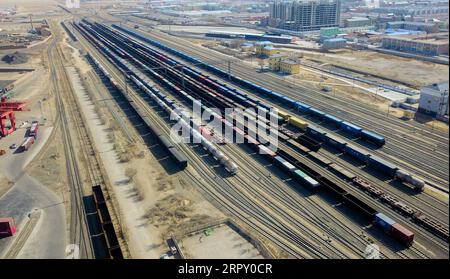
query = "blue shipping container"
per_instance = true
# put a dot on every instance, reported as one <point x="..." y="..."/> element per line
<point x="382" y="166"/>
<point x="351" y="129"/>
<point x="384" y="222"/>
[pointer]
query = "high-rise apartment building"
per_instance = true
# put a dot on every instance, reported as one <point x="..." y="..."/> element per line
<point x="305" y="15"/>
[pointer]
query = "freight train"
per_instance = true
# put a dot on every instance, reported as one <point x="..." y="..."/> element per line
<point x="352" y="129"/>
<point x="317" y="134"/>
<point x="316" y="181"/>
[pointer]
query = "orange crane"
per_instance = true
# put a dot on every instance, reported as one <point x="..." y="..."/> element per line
<point x="7" y="110"/>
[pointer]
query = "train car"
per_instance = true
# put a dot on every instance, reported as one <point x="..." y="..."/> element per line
<point x="382" y="166"/>
<point x="384" y="222"/>
<point x="351" y="129"/>
<point x="266" y="152"/>
<point x="283" y="164"/>
<point x="284" y="114"/>
<point x="361" y="206"/>
<point x="298" y="123"/>
<point x="332" y="120"/>
<point x="179" y="157"/>
<point x="302" y="107"/>
<point x="357" y="153"/>
<point x="316" y="133"/>
<point x="402" y="234"/>
<point x="319" y="158"/>
<point x="305" y="180"/>
<point x="316" y="113"/>
<point x="404" y="176"/>
<point x="335" y="142"/>
<point x="309" y="142"/>
<point x="341" y="171"/>
<point x="373" y="138"/>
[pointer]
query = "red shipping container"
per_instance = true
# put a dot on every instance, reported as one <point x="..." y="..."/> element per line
<point x="403" y="234"/>
<point x="7" y="227"/>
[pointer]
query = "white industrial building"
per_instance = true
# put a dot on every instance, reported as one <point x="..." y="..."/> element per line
<point x="434" y="99"/>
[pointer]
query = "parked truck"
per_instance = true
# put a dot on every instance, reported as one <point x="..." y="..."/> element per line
<point x="7" y="227"/>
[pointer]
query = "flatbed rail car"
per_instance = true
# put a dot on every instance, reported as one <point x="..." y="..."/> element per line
<point x="348" y="197"/>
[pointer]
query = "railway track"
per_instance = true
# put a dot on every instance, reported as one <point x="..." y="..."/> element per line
<point x="436" y="175"/>
<point x="212" y="174"/>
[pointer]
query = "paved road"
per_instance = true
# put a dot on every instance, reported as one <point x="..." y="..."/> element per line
<point x="48" y="239"/>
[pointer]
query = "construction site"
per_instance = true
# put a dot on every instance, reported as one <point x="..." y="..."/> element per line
<point x="126" y="133"/>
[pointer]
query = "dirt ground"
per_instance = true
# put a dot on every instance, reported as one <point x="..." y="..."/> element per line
<point x="221" y="243"/>
<point x="412" y="71"/>
<point x="164" y="203"/>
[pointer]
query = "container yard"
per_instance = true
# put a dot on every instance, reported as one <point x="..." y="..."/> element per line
<point x="128" y="139"/>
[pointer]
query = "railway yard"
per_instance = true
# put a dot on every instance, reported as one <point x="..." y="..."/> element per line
<point x="335" y="177"/>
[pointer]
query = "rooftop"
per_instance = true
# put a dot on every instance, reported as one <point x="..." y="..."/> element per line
<point x="290" y="62"/>
<point x="441" y="87"/>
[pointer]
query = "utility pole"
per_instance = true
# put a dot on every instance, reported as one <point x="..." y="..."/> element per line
<point x="31" y="22"/>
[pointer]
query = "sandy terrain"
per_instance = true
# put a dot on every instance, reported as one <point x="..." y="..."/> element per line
<point x="389" y="66"/>
<point x="222" y="243"/>
<point x="151" y="202"/>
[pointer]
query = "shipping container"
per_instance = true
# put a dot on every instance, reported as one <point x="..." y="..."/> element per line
<point x="382" y="166"/>
<point x="402" y="234"/>
<point x="351" y="129"/>
<point x="357" y="153"/>
<point x="373" y="138"/>
<point x="384" y="222"/>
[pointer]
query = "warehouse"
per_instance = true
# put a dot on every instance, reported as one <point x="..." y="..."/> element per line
<point x="422" y="45"/>
<point x="250" y="37"/>
<point x="434" y="99"/>
<point x="414" y="26"/>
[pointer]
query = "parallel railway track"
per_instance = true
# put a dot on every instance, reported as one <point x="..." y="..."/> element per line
<point x="225" y="189"/>
<point x="391" y="127"/>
